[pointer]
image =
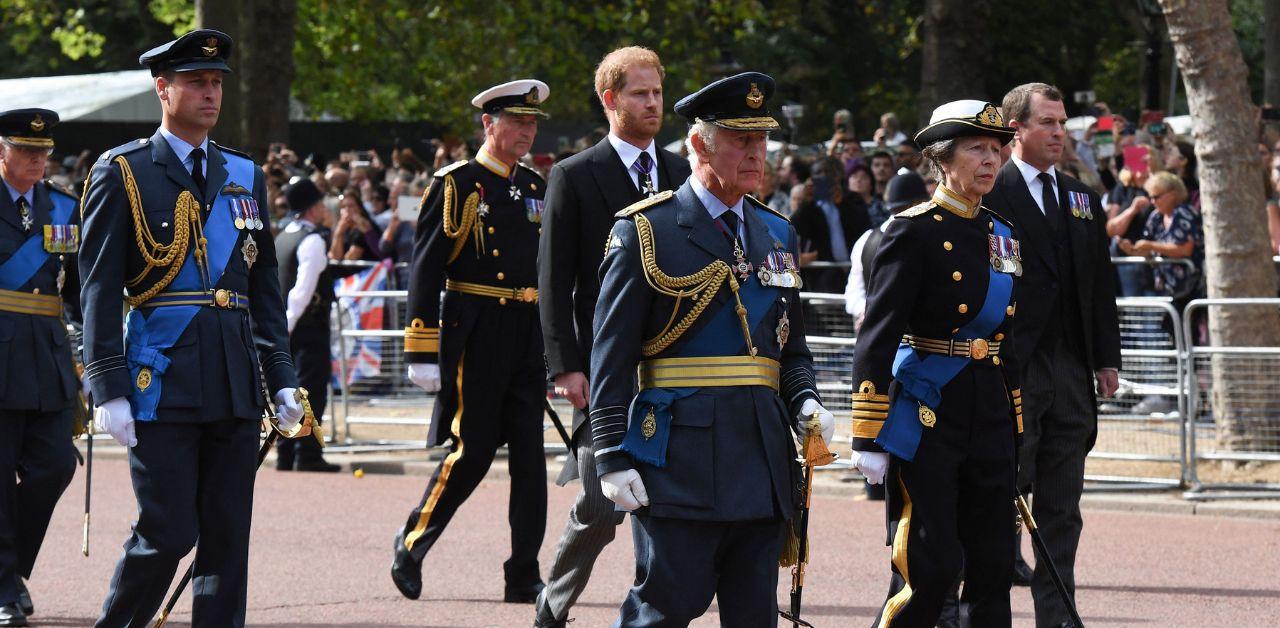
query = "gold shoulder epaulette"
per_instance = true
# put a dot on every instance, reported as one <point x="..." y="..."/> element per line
<point x="450" y="168"/>
<point x="457" y="224"/>
<point x="531" y="170"/>
<point x="632" y="209"/>
<point x="765" y="206"/>
<point x="918" y="210"/>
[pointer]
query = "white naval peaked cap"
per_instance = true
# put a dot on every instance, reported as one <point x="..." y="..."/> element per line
<point x="520" y="96"/>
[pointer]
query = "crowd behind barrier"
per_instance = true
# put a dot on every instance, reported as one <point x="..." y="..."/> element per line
<point x="1151" y="435"/>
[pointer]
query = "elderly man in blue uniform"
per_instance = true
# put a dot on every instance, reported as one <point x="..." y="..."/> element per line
<point x="175" y="227"/>
<point x="39" y="235"/>
<point x="480" y="345"/>
<point x="937" y="407"/>
<point x="700" y="295"/>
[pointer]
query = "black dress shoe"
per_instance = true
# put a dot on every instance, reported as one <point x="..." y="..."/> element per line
<point x="523" y="595"/>
<point x="11" y="615"/>
<point x="405" y="571"/>
<point x="1021" y="572"/>
<point x="24" y="599"/>
<point x="318" y="466"/>
<point x="950" y="615"/>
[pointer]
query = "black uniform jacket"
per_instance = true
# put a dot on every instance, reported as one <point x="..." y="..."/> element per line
<point x="1038" y="289"/>
<point x="583" y="194"/>
<point x="36" y="367"/>
<point x="730" y="455"/>
<point x="215" y="363"/>
<point x="929" y="279"/>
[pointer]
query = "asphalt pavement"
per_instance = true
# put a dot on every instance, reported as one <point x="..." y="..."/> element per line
<point x="322" y="547"/>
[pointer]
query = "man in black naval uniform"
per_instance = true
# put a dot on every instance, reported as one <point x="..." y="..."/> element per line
<point x="39" y="235"/>
<point x="480" y="345"/>
<point x="583" y="193"/>
<point x="1068" y="334"/>
<point x="302" y="254"/>
<point x="176" y="228"/>
<point x="700" y="294"/>
<point x="935" y="403"/>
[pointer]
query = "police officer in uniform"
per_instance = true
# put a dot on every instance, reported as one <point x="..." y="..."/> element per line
<point x="176" y="228"/>
<point x="302" y="254"/>
<point x="700" y="293"/>
<point x="39" y="235"/>
<point x="480" y="345"/>
<point x="936" y="404"/>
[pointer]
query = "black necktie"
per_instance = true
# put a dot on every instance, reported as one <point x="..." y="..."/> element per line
<point x="731" y="219"/>
<point x="24" y="213"/>
<point x="197" y="169"/>
<point x="643" y="164"/>
<point x="1050" y="200"/>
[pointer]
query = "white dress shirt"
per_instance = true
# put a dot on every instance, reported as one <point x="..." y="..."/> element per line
<point x="1030" y="174"/>
<point x="855" y="289"/>
<point x="629" y="153"/>
<point x="716" y="208"/>
<point x="183" y="150"/>
<point x="312" y="260"/>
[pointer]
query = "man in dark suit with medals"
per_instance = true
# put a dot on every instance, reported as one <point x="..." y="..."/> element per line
<point x="699" y="294"/>
<point x="39" y="236"/>
<point x="1068" y="335"/>
<point x="174" y="228"/>
<point x="583" y="193"/>
<point x="480" y="345"/>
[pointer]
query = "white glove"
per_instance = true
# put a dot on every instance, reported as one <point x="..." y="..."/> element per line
<point x="625" y="489"/>
<point x="426" y="376"/>
<point x="824" y="417"/>
<point x="872" y="465"/>
<point x="116" y="417"/>
<point x="288" y="410"/>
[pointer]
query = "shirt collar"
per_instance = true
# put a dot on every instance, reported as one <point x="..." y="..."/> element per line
<point x="493" y="164"/>
<point x="1030" y="172"/>
<point x="954" y="203"/>
<point x="180" y="146"/>
<point x="713" y="204"/>
<point x="629" y="152"/>
<point x="14" y="194"/>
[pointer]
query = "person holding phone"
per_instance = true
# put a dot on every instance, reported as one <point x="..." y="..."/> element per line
<point x="1127" y="211"/>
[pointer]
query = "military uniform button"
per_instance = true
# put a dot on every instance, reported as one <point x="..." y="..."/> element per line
<point x="991" y="225"/>
<point x="501" y="276"/>
<point x="533" y="186"/>
<point x="164" y="224"/>
<point x="937" y="217"/>
<point x="539" y="230"/>
<point x="963" y="308"/>
<point x="502" y="300"/>
<point x="36" y="291"/>
<point x="957" y="276"/>
<point x="1009" y="310"/>
<point x="955" y="331"/>
<point x="491" y="229"/>
<point x="495" y="252"/>
<point x="995" y="359"/>
<point x="999" y="336"/>
<point x="947" y="245"/>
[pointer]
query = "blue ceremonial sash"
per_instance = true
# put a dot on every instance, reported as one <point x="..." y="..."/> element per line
<point x="148" y="336"/>
<point x="921" y="378"/>
<point x="721" y="336"/>
<point x="31" y="256"/>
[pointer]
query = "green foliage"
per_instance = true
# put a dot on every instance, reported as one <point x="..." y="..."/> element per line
<point x="46" y="37"/>
<point x="178" y="14"/>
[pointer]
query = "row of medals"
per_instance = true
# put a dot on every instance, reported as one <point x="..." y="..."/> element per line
<point x="783" y="278"/>
<point x="247" y="219"/>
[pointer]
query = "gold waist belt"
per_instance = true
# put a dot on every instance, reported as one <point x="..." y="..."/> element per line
<point x="30" y="303"/>
<point x="523" y="295"/>
<point x="736" y="370"/>
<point x="977" y="349"/>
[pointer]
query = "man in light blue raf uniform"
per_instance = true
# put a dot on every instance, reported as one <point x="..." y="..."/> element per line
<point x="39" y="235"/>
<point x="700" y="295"/>
<point x="176" y="227"/>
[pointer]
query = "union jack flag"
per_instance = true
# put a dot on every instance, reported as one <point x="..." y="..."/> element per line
<point x="364" y="353"/>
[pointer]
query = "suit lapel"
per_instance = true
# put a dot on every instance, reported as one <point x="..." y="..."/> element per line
<point x="42" y="209"/>
<point x="666" y="177"/>
<point x="215" y="172"/>
<point x="611" y="176"/>
<point x="703" y="232"/>
<point x="759" y="240"/>
<point x="1027" y="214"/>
<point x="162" y="154"/>
<point x="9" y="211"/>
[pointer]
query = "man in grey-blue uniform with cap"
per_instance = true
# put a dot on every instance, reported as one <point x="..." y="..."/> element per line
<point x="700" y="295"/>
<point x="39" y="235"/>
<point x="175" y="227"/>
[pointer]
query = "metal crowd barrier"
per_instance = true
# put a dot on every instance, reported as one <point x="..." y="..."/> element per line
<point x="1233" y="409"/>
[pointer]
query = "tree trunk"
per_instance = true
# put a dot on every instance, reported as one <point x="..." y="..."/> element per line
<point x="1271" y="37"/>
<point x="266" y="71"/>
<point x="953" y="53"/>
<point x="1237" y="251"/>
<point x="224" y="15"/>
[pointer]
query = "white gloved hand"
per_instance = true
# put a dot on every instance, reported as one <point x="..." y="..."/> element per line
<point x="872" y="465"/>
<point x="289" y="410"/>
<point x="425" y="375"/>
<point x="116" y="417"/>
<point x="825" y="417"/>
<point x="625" y="489"/>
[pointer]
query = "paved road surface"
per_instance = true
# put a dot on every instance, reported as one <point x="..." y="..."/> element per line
<point x="322" y="546"/>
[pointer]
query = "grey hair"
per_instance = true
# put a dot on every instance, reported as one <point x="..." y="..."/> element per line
<point x="938" y="153"/>
<point x="694" y="159"/>
<point x="705" y="130"/>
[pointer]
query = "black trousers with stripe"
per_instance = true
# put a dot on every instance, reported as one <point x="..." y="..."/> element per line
<point x="951" y="509"/>
<point x="499" y="384"/>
